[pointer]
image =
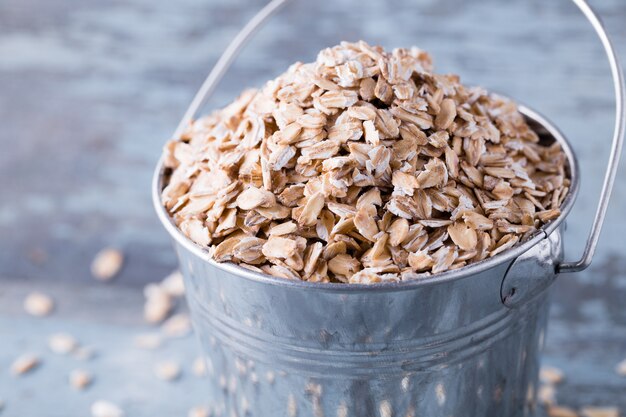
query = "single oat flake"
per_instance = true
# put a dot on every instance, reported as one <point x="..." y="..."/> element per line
<point x="167" y="370"/>
<point x="148" y="341"/>
<point x="559" y="411"/>
<point x="62" y="343"/>
<point x="107" y="264"/>
<point x="547" y="395"/>
<point x="80" y="379"/>
<point x="362" y="167"/>
<point x="38" y="304"/>
<point x="158" y="304"/>
<point x="199" y="411"/>
<point x="551" y="375"/>
<point x="179" y="325"/>
<point x="24" y="364"/>
<point x="621" y="368"/>
<point x="173" y="284"/>
<point x="103" y="408"/>
<point x="592" y="411"/>
<point x="198" y="367"/>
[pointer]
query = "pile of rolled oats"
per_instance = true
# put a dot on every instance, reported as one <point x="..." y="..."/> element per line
<point x="362" y="167"/>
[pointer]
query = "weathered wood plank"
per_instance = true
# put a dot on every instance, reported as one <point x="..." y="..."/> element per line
<point x="90" y="92"/>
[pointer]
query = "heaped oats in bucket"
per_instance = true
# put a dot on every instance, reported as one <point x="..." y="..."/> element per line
<point x="362" y="167"/>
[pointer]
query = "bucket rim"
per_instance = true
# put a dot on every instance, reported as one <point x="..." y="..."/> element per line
<point x="448" y="276"/>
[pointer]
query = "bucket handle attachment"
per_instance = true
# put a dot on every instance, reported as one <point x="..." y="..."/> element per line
<point x="242" y="38"/>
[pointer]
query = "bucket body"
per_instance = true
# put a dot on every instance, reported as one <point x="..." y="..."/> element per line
<point x="439" y="349"/>
<point x="462" y="343"/>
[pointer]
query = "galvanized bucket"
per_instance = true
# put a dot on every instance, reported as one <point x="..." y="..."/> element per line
<point x="464" y="342"/>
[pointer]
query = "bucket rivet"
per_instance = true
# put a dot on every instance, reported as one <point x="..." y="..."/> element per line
<point x="510" y="295"/>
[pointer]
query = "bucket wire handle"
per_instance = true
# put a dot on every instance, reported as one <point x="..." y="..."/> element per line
<point x="226" y="60"/>
<point x="616" y="147"/>
<point x="235" y="47"/>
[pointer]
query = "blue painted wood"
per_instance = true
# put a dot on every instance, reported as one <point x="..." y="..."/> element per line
<point x="91" y="90"/>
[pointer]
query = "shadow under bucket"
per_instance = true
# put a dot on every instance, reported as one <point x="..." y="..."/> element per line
<point x="461" y="343"/>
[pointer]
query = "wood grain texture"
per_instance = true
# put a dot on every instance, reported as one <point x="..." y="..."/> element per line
<point x="90" y="91"/>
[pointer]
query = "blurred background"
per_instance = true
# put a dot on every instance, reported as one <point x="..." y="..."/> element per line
<point x="90" y="91"/>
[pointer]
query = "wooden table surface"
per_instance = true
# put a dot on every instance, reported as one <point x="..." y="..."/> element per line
<point x="90" y="91"/>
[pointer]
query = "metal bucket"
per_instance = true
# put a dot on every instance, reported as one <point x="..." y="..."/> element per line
<point x="464" y="342"/>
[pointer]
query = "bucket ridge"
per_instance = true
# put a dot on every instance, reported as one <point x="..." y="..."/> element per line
<point x="355" y="359"/>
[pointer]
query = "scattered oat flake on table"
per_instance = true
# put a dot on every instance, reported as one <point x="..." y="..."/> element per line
<point x="592" y="411"/>
<point x="38" y="304"/>
<point x="559" y="411"/>
<point x="80" y="379"/>
<point x="167" y="371"/>
<point x="107" y="264"/>
<point x="174" y="284"/>
<point x="62" y="343"/>
<point x="551" y="375"/>
<point x="148" y="341"/>
<point x="158" y="304"/>
<point x="179" y="325"/>
<point x="547" y="395"/>
<point x="24" y="363"/>
<point x="102" y="408"/>
<point x="621" y="368"/>
<point x="331" y="174"/>
<point x="199" y="366"/>
<point x="199" y="411"/>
